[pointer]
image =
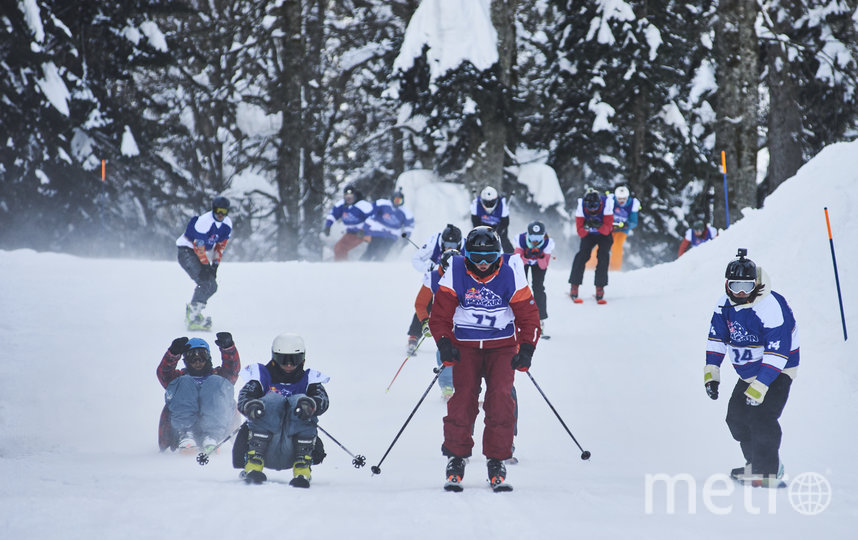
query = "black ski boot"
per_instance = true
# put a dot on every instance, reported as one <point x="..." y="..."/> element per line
<point x="257" y="444"/>
<point x="303" y="460"/>
<point x="455" y="473"/>
<point x="497" y="475"/>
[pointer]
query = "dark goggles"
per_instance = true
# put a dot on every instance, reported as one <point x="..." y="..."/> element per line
<point x="195" y="356"/>
<point x="293" y="359"/>
<point x="742" y="286"/>
<point x="449" y="245"/>
<point x="222" y="211"/>
<point x="483" y="257"/>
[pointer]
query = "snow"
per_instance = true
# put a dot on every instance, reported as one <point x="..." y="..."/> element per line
<point x="129" y="145"/>
<point x="54" y="89"/>
<point x="79" y="400"/>
<point x="453" y="31"/>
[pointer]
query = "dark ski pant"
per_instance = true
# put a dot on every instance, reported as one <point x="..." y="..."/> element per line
<point x="537" y="284"/>
<point x="378" y="248"/>
<point x="499" y="406"/>
<point x="576" y="277"/>
<point x="191" y="264"/>
<point x="757" y="428"/>
<point x="284" y="426"/>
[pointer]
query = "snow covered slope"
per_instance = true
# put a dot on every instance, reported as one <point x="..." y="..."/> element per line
<point x="79" y="400"/>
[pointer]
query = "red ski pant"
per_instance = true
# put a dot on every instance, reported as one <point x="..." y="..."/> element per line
<point x="499" y="407"/>
<point x="348" y="242"/>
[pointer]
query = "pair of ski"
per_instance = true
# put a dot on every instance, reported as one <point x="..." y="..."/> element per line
<point x="454" y="484"/>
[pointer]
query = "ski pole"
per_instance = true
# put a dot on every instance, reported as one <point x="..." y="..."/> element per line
<point x="403" y="362"/>
<point x="410" y="240"/>
<point x="203" y="457"/>
<point x="726" y="205"/>
<point x="836" y="278"/>
<point x="358" y="460"/>
<point x="585" y="454"/>
<point x="376" y="469"/>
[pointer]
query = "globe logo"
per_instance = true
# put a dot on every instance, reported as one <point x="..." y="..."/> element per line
<point x="809" y="493"/>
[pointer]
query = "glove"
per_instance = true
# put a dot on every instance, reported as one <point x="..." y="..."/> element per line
<point x="178" y="346"/>
<point x="619" y="225"/>
<point x="327" y="231"/>
<point x="214" y="268"/>
<point x="305" y="408"/>
<point x="449" y="354"/>
<point x="755" y="393"/>
<point x="424" y="326"/>
<point x="444" y="262"/>
<point x="521" y="360"/>
<point x="712" y="389"/>
<point x="254" y="409"/>
<point x="593" y="223"/>
<point x="404" y="235"/>
<point x="224" y="340"/>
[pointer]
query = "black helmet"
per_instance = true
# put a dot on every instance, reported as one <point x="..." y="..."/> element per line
<point x="699" y="227"/>
<point x="397" y="198"/>
<point x="451" y="237"/>
<point x="350" y="192"/>
<point x="536" y="227"/>
<point x="482" y="246"/>
<point x="741" y="269"/>
<point x="592" y="200"/>
<point x="220" y="203"/>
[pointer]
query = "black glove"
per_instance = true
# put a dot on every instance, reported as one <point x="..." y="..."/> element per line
<point x="521" y="360"/>
<point x="305" y="408"/>
<point x="224" y="340"/>
<point x="178" y="346"/>
<point x="405" y="235"/>
<point x="214" y="268"/>
<point x="444" y="262"/>
<point x="327" y="231"/>
<point x="712" y="389"/>
<point x="593" y="222"/>
<point x="254" y="409"/>
<point x="449" y="354"/>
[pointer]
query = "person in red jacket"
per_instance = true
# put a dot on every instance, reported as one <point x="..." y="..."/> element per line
<point x="486" y="326"/>
<point x="594" y="220"/>
<point x="200" y="403"/>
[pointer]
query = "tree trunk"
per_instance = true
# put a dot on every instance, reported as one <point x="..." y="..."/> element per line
<point x="784" y="133"/>
<point x="737" y="74"/>
<point x="489" y="151"/>
<point x="289" y="162"/>
<point x="637" y="161"/>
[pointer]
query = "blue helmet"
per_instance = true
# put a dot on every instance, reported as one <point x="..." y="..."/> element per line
<point x="197" y="343"/>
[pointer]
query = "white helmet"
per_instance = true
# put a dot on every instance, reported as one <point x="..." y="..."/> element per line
<point x="489" y="198"/>
<point x="621" y="193"/>
<point x="288" y="348"/>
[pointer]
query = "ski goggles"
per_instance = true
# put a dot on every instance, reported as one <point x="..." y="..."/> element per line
<point x="743" y="286"/>
<point x="449" y="245"/>
<point x="534" y="239"/>
<point x="483" y="257"/>
<point x="294" y="359"/>
<point x="197" y="356"/>
<point x="222" y="211"/>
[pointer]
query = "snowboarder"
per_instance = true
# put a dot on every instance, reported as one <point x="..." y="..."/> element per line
<point x="755" y="327"/>
<point x="535" y="247"/>
<point x="200" y="408"/>
<point x="204" y="239"/>
<point x="491" y="210"/>
<point x="594" y="221"/>
<point x="698" y="233"/>
<point x="390" y="221"/>
<point x="281" y="400"/>
<point x="354" y="211"/>
<point x="486" y="325"/>
<point x="426" y="259"/>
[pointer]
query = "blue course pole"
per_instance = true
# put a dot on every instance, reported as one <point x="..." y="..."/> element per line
<point x="836" y="277"/>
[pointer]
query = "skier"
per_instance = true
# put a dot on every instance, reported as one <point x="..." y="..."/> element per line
<point x="491" y="210"/>
<point x="626" y="210"/>
<point x="698" y="233"/>
<point x="281" y="401"/>
<point x="353" y="210"/>
<point x="594" y="220"/>
<point x="200" y="407"/>
<point x="427" y="259"/>
<point x="390" y="221"/>
<point x="422" y="307"/>
<point x="535" y="247"/>
<point x="204" y="238"/>
<point x="486" y="325"/>
<point x="755" y="326"/>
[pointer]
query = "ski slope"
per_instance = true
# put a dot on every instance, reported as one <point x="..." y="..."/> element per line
<point x="79" y="400"/>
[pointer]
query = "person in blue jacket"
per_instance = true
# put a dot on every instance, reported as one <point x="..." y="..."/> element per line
<point x="389" y="222"/>
<point x="200" y="251"/>
<point x="354" y="211"/>
<point x="755" y="327"/>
